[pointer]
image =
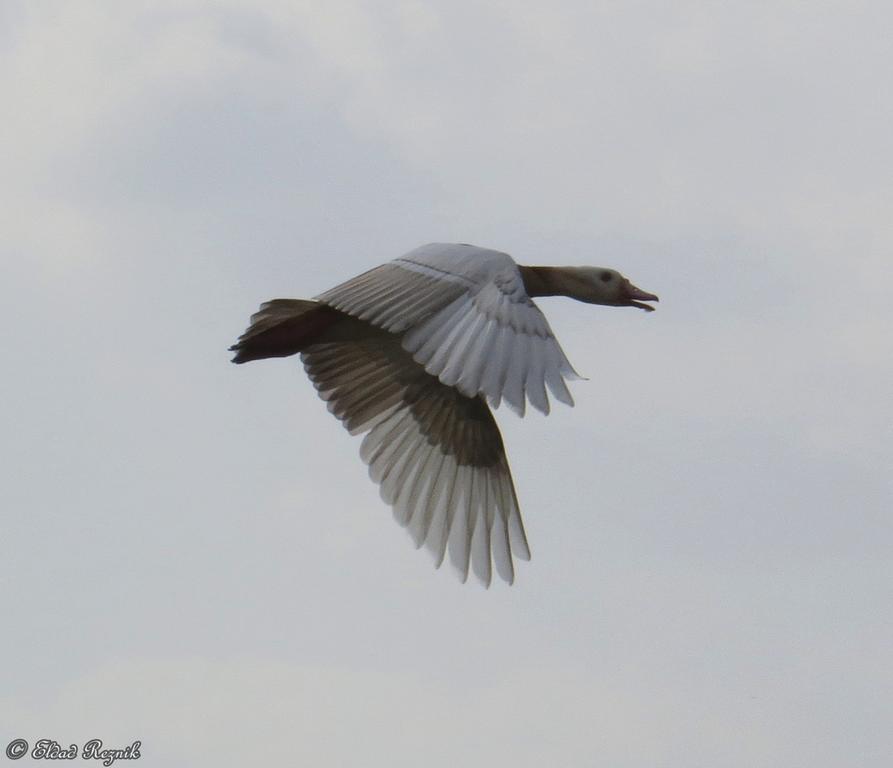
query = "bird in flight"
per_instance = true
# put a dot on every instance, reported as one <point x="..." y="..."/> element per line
<point x="411" y="353"/>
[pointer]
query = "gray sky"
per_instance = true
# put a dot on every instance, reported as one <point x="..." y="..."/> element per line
<point x="192" y="554"/>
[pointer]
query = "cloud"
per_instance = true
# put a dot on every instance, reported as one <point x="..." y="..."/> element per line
<point x="224" y="713"/>
<point x="193" y="551"/>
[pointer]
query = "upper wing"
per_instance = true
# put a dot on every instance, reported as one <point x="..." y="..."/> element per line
<point x="437" y="455"/>
<point x="466" y="317"/>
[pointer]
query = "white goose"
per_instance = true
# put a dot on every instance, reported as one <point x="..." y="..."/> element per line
<point x="410" y="352"/>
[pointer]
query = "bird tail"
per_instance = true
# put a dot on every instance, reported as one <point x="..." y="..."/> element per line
<point x="283" y="327"/>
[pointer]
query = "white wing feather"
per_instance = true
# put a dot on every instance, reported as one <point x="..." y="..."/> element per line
<point x="466" y="317"/>
<point x="436" y="454"/>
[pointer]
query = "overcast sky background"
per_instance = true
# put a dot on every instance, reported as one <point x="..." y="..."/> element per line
<point x="192" y="554"/>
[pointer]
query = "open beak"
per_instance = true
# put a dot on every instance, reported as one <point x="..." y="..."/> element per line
<point x="636" y="296"/>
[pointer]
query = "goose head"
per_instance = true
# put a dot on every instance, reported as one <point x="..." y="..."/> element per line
<point x="601" y="285"/>
<point x="592" y="285"/>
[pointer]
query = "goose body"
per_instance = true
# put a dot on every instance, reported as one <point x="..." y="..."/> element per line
<point x="411" y="353"/>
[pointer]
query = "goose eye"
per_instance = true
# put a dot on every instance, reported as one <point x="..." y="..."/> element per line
<point x="605" y="277"/>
